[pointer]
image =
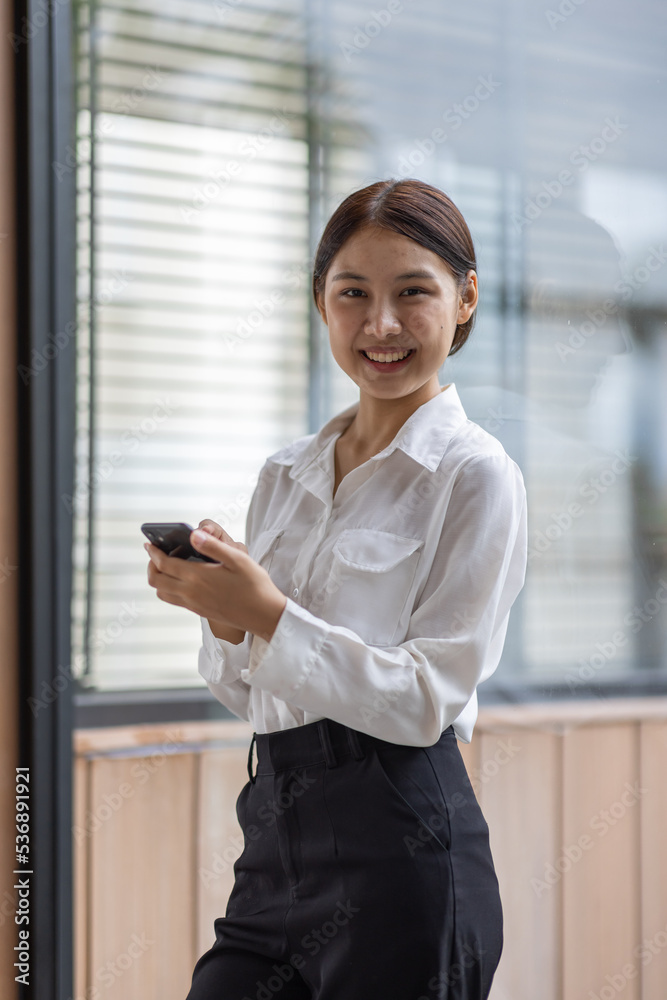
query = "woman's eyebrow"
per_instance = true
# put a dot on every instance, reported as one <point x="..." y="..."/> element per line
<point x="415" y="274"/>
<point x="347" y="276"/>
<point x="351" y="276"/>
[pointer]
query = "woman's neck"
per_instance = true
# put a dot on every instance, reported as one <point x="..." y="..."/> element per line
<point x="378" y="421"/>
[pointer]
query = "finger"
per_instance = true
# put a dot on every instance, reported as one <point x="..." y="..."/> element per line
<point x="211" y="526"/>
<point x="168" y="565"/>
<point x="224" y="536"/>
<point x="216" y="549"/>
<point x="153" y="551"/>
<point x="171" y="589"/>
<point x="155" y="577"/>
<point x="169" y="597"/>
<point x="156" y="555"/>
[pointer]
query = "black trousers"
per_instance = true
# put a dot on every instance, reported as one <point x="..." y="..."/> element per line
<point x="366" y="874"/>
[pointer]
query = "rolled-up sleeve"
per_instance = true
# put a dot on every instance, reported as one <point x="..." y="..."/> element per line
<point x="409" y="693"/>
<point x="220" y="664"/>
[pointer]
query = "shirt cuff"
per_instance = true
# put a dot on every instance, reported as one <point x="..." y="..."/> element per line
<point x="220" y="660"/>
<point x="282" y="665"/>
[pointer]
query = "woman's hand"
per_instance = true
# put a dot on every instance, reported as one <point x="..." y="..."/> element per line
<point x="219" y="629"/>
<point x="217" y="531"/>
<point x="235" y="592"/>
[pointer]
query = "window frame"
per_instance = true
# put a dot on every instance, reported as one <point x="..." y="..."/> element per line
<point x="46" y="305"/>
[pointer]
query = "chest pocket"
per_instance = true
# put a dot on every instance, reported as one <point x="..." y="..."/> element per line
<point x="372" y="574"/>
<point x="264" y="546"/>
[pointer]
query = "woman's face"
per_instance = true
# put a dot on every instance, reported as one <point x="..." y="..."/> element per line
<point x="386" y="295"/>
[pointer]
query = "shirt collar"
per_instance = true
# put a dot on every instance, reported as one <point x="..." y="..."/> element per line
<point x="424" y="436"/>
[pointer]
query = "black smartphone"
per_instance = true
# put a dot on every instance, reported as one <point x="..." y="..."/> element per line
<point x="174" y="539"/>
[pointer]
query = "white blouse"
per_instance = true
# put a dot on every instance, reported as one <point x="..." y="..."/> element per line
<point x="398" y="589"/>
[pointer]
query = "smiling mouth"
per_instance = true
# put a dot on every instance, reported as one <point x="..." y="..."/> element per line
<point x="387" y="356"/>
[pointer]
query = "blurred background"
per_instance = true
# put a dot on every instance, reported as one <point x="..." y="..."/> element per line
<point x="213" y="140"/>
<point x="168" y="167"/>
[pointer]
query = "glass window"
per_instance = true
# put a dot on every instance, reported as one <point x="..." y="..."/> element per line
<point x="543" y="126"/>
<point x="193" y="340"/>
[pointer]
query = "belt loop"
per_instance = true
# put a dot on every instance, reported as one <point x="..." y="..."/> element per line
<point x="252" y="743"/>
<point x="325" y="740"/>
<point x="353" y="740"/>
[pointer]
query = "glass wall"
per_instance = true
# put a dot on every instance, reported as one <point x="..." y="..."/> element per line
<point x="193" y="244"/>
<point x="223" y="135"/>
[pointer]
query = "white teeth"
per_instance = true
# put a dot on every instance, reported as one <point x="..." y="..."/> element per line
<point x="395" y="356"/>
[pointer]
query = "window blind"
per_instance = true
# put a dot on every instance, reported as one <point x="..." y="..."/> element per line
<point x="192" y="162"/>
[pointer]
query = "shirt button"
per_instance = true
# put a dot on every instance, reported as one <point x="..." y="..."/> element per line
<point x="295" y="592"/>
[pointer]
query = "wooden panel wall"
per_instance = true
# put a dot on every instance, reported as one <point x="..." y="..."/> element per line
<point x="223" y="773"/>
<point x="519" y="789"/>
<point x="155" y="838"/>
<point x="575" y="796"/>
<point x="653" y="852"/>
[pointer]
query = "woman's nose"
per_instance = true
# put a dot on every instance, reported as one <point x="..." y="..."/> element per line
<point x="382" y="320"/>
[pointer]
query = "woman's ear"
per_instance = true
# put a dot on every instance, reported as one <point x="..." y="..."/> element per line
<point x="468" y="298"/>
<point x="321" y="309"/>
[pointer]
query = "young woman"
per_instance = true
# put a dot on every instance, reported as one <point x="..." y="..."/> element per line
<point x="383" y="556"/>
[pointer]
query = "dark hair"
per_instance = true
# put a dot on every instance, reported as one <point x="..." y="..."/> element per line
<point x="410" y="208"/>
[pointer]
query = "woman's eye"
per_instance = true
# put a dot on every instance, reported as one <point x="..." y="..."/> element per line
<point x="355" y="293"/>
